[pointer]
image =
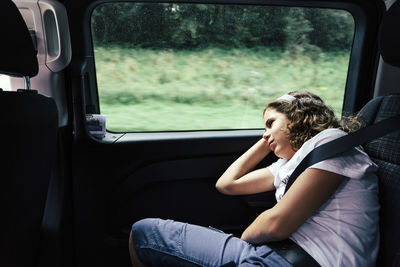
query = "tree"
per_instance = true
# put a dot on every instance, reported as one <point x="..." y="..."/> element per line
<point x="193" y="26"/>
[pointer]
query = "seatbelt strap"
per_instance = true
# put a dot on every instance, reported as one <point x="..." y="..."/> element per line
<point x="345" y="143"/>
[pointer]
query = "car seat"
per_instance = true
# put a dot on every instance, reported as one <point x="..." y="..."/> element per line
<point x="385" y="151"/>
<point x="28" y="145"/>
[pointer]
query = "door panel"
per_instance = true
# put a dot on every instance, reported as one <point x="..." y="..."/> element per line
<point x="119" y="183"/>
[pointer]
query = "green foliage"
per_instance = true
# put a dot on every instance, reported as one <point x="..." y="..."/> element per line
<point x="213" y="88"/>
<point x="181" y="66"/>
<point x="332" y="29"/>
<point x="193" y="26"/>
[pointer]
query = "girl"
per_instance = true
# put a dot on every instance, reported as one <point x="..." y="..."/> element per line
<point x="331" y="210"/>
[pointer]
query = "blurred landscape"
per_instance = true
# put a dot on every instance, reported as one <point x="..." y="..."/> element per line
<point x="206" y="80"/>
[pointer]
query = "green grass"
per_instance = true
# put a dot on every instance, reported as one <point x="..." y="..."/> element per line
<point x="158" y="90"/>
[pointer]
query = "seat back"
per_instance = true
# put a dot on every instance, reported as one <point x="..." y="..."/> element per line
<point x="385" y="151"/>
<point x="28" y="142"/>
<point x="28" y="139"/>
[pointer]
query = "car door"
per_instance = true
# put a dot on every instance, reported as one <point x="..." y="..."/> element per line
<point x="160" y="159"/>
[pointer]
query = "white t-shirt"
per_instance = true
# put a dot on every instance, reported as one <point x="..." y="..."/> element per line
<point x="345" y="230"/>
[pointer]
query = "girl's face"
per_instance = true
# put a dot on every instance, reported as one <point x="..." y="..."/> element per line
<point x="277" y="133"/>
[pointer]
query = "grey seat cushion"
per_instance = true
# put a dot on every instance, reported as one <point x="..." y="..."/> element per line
<point x="385" y="152"/>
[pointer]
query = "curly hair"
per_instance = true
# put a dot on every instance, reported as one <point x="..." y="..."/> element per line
<point x="308" y="115"/>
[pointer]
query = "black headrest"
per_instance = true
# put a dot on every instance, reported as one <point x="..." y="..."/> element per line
<point x="17" y="51"/>
<point x="389" y="39"/>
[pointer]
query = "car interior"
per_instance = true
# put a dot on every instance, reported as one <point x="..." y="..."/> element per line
<point x="69" y="197"/>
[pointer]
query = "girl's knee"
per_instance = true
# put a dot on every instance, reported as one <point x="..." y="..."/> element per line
<point x="143" y="224"/>
<point x="141" y="230"/>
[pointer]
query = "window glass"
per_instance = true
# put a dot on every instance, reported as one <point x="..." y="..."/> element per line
<point x="171" y="67"/>
<point x="5" y="82"/>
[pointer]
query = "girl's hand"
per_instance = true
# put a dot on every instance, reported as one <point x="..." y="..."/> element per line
<point x="239" y="178"/>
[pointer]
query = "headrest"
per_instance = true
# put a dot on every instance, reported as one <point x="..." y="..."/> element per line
<point x="17" y="51"/>
<point x="385" y="148"/>
<point x="389" y="39"/>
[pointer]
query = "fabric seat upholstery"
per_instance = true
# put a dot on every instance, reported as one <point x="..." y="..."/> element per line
<point x="385" y="152"/>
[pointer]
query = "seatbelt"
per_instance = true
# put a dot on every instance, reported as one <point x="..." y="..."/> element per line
<point x="345" y="143"/>
<point x="323" y="152"/>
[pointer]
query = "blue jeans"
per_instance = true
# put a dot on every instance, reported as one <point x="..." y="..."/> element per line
<point x="168" y="243"/>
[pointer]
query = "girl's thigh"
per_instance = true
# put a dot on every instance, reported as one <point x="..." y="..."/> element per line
<point x="168" y="243"/>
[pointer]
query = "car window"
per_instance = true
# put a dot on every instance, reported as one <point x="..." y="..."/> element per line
<point x="5" y="82"/>
<point x="172" y="67"/>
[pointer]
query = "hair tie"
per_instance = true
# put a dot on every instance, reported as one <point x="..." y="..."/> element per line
<point x="286" y="98"/>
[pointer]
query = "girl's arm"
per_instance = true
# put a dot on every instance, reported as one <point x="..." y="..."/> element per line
<point x="239" y="179"/>
<point x="307" y="194"/>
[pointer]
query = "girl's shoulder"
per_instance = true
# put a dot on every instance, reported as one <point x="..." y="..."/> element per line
<point x="353" y="163"/>
<point x="323" y="137"/>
